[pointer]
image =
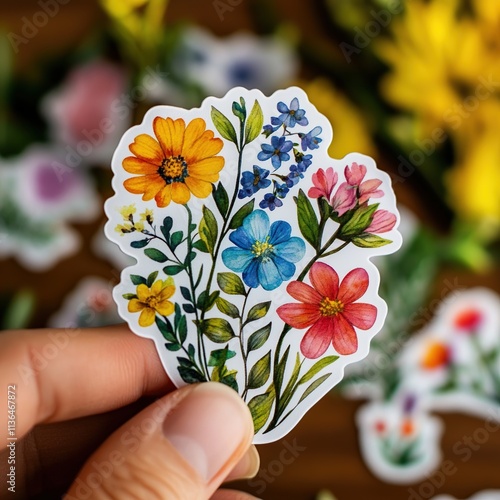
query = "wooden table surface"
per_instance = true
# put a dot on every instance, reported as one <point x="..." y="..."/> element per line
<point x="325" y="442"/>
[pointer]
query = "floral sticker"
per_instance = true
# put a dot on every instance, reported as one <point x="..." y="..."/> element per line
<point x="252" y="248"/>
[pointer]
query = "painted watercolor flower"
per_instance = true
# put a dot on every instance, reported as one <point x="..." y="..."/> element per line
<point x="366" y="189"/>
<point x="179" y="161"/>
<point x="150" y="301"/>
<point x="383" y="221"/>
<point x="277" y="151"/>
<point x="251" y="182"/>
<point x="468" y="320"/>
<point x="290" y="116"/>
<point x="265" y="253"/>
<point x="329" y="309"/>
<point x="323" y="183"/>
<point x="311" y="139"/>
<point x="344" y="199"/>
<point x="436" y="355"/>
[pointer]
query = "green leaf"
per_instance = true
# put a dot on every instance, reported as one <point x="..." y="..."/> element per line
<point x="209" y="229"/>
<point x="205" y="302"/>
<point x="172" y="270"/>
<point x="173" y="346"/>
<point x="223" y="125"/>
<point x="290" y="387"/>
<point x="313" y="386"/>
<point x="186" y="293"/>
<point x="370" y="241"/>
<point x="260" y="372"/>
<point x="168" y="222"/>
<point x="176" y="239"/>
<point x="239" y="111"/>
<point x="259" y="338"/>
<point x="182" y="329"/>
<point x="137" y="280"/>
<point x="240" y="215"/>
<point x="230" y="283"/>
<point x="254" y="123"/>
<point x="220" y="356"/>
<point x="359" y="221"/>
<point x="258" y="311"/>
<point x="156" y="255"/>
<point x="200" y="245"/>
<point x="151" y="278"/>
<point x="308" y="223"/>
<point x="129" y="296"/>
<point x="140" y="243"/>
<point x="221" y="198"/>
<point x="316" y="368"/>
<point x="166" y="329"/>
<point x="217" y="330"/>
<point x="280" y="370"/>
<point x="225" y="307"/>
<point x="260" y="408"/>
<point x="190" y="376"/>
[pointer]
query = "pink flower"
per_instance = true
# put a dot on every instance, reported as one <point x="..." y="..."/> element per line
<point x="324" y="182"/>
<point x="329" y="310"/>
<point x="383" y="221"/>
<point x="344" y="199"/>
<point x="90" y="107"/>
<point x="367" y="189"/>
<point x="468" y="320"/>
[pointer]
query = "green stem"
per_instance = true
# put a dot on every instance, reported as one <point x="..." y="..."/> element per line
<point x="242" y="344"/>
<point x="486" y="365"/>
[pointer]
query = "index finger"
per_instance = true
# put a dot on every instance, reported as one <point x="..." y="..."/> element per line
<point x="62" y="374"/>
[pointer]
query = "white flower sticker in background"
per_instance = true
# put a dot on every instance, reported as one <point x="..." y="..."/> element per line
<point x="252" y="248"/>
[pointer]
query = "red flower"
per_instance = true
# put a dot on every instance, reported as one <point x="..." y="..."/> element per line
<point x="323" y="183"/>
<point x="468" y="320"/>
<point x="329" y="310"/>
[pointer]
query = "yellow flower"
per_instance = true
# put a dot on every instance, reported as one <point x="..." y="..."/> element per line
<point x="127" y="212"/>
<point x="153" y="300"/>
<point x="124" y="228"/>
<point x="351" y="131"/>
<point x="474" y="183"/>
<point x="180" y="160"/>
<point x="147" y="216"/>
<point x="139" y="226"/>
<point x="121" y="8"/>
<point x="437" y="58"/>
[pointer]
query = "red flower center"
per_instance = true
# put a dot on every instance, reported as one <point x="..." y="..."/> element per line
<point x="329" y="307"/>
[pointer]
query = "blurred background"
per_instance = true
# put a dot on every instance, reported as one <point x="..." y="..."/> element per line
<point x="413" y="83"/>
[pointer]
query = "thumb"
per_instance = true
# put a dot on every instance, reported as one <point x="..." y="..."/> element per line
<point x="182" y="446"/>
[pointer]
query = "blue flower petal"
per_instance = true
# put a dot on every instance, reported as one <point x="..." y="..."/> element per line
<point x="269" y="274"/>
<point x="294" y="105"/>
<point x="282" y="107"/>
<point x="242" y="239"/>
<point x="275" y="161"/>
<point x="250" y="274"/>
<point x="276" y="121"/>
<point x="280" y="231"/>
<point x="237" y="259"/>
<point x="267" y="148"/>
<point x="263" y="156"/>
<point x="292" y="250"/>
<point x="287" y="145"/>
<point x="285" y="268"/>
<point x="256" y="225"/>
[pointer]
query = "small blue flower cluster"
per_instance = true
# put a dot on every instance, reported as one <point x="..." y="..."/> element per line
<point x="279" y="152"/>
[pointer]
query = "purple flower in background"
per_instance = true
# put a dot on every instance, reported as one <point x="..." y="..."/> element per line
<point x="270" y="201"/>
<point x="277" y="151"/>
<point x="290" y="116"/>
<point x="251" y="182"/>
<point x="311" y="139"/>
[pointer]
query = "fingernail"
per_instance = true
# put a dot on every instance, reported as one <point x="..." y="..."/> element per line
<point x="208" y="427"/>
<point x="247" y="467"/>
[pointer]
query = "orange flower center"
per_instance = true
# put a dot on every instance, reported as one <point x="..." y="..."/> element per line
<point x="152" y="302"/>
<point x="173" y="169"/>
<point x="329" y="307"/>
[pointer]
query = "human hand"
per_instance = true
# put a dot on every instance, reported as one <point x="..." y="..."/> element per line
<point x="78" y="384"/>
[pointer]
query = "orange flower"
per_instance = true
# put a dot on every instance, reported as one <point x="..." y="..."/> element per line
<point x="407" y="428"/>
<point x="153" y="300"/>
<point x="179" y="161"/>
<point x="435" y="356"/>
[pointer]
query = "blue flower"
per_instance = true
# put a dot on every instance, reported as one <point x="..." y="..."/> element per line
<point x="311" y="139"/>
<point x="277" y="151"/>
<point x="303" y="161"/>
<point x="281" y="190"/>
<point x="252" y="182"/>
<point x="270" y="201"/>
<point x="269" y="129"/>
<point x="290" y="116"/>
<point x="265" y="254"/>
<point x="296" y="173"/>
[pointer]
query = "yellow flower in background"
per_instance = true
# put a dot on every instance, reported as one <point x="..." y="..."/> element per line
<point x="437" y="57"/>
<point x="351" y="131"/>
<point x="124" y="228"/>
<point x="121" y="8"/>
<point x="474" y="183"/>
<point x="153" y="300"/>
<point x="128" y="212"/>
<point x="147" y="216"/>
<point x="181" y="160"/>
